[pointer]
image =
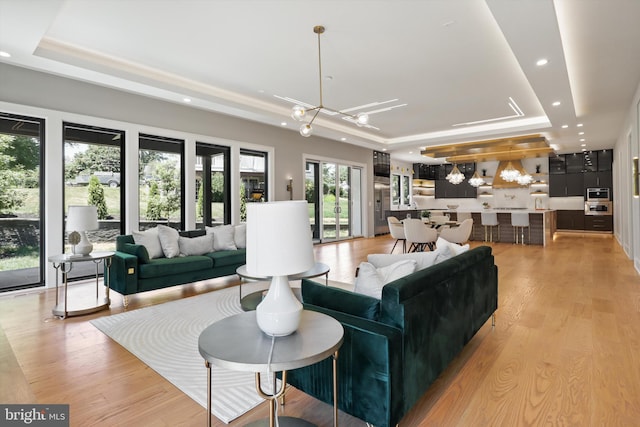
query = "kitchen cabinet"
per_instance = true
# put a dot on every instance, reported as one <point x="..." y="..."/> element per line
<point x="447" y="190"/>
<point x="426" y="172"/>
<point x="570" y="184"/>
<point x="570" y="220"/>
<point x="598" y="223"/>
<point x="572" y="174"/>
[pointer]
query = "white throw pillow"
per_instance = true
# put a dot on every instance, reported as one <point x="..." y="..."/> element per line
<point x="455" y="248"/>
<point x="196" y="245"/>
<point x="169" y="241"/>
<point x="422" y="259"/>
<point x="240" y="236"/>
<point x="371" y="280"/>
<point x="223" y="237"/>
<point x="150" y="240"/>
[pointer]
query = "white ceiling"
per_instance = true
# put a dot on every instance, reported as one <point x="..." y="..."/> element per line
<point x="450" y="68"/>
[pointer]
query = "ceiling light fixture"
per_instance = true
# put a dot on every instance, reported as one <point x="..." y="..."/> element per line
<point x="476" y="180"/>
<point x="455" y="176"/>
<point x="510" y="173"/>
<point x="299" y="113"/>
<point x="542" y="62"/>
<point x="556" y="103"/>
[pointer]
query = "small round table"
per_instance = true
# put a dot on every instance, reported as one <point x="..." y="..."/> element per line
<point x="64" y="263"/>
<point x="251" y="301"/>
<point x="238" y="344"/>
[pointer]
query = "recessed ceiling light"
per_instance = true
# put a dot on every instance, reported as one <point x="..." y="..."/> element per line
<point x="343" y="139"/>
<point x="579" y="125"/>
<point x="555" y="104"/>
<point x="541" y="62"/>
<point x="186" y="100"/>
<point x="384" y="149"/>
<point x="565" y="126"/>
<point x="283" y="123"/>
<point x="582" y="139"/>
<point x="5" y="54"/>
<point x="583" y="145"/>
<point x="584" y="149"/>
<point x="580" y="133"/>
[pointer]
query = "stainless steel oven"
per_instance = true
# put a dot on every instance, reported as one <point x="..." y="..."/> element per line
<point x="598" y="208"/>
<point x="598" y="194"/>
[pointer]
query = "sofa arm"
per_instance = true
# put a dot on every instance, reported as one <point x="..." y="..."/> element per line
<point x="369" y="371"/>
<point x="123" y="277"/>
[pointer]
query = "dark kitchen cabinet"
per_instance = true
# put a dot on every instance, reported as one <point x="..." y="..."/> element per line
<point x="602" y="179"/>
<point x="556" y="165"/>
<point x="422" y="171"/>
<point x="381" y="164"/>
<point x="598" y="223"/>
<point x="570" y="220"/>
<point x="570" y="184"/>
<point x="574" y="163"/>
<point x="605" y="160"/>
<point x="447" y="190"/>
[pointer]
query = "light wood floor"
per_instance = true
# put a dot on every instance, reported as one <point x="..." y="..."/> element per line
<point x="565" y="350"/>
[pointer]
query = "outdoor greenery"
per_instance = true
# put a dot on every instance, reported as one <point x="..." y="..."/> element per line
<point x="19" y="164"/>
<point x="96" y="158"/>
<point x="96" y="197"/>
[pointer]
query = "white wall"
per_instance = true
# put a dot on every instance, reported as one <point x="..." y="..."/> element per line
<point x="626" y="207"/>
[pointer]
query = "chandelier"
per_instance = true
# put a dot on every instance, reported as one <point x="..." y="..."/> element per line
<point x="524" y="179"/>
<point x="455" y="176"/>
<point x="299" y="113"/>
<point x="476" y="180"/>
<point x="510" y="173"/>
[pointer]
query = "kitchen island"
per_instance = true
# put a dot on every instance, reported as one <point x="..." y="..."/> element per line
<point x="542" y="225"/>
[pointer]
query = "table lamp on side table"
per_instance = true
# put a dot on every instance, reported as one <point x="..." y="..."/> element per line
<point x="278" y="245"/>
<point x="82" y="219"/>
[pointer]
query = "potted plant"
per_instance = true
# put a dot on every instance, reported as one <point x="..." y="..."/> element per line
<point x="486" y="205"/>
<point x="425" y="214"/>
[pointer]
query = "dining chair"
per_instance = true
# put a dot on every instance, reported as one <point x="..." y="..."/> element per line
<point x="460" y="234"/>
<point x="397" y="232"/>
<point x="419" y="235"/>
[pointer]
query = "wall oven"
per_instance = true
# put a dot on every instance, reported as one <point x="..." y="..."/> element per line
<point x="598" y="208"/>
<point x="598" y="194"/>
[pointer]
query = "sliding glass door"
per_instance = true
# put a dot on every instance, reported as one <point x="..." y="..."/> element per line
<point x="333" y="191"/>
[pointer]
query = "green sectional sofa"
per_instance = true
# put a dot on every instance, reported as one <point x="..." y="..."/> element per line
<point x="132" y="271"/>
<point x="395" y="347"/>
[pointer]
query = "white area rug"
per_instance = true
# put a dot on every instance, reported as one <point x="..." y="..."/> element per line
<point x="165" y="337"/>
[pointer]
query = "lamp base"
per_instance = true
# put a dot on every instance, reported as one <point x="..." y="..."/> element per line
<point x="279" y="312"/>
<point x="84" y="247"/>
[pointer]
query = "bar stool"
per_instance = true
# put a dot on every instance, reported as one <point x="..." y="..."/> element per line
<point x="520" y="220"/>
<point x="489" y="220"/>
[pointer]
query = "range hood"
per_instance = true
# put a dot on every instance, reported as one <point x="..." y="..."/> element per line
<point x="498" y="182"/>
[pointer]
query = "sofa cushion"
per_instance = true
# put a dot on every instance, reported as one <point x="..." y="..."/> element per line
<point x="341" y="300"/>
<point x="169" y="241"/>
<point x="140" y="251"/>
<point x="240" y="236"/>
<point x="455" y="248"/>
<point x="224" y="258"/>
<point x="150" y="240"/>
<point x="223" y="237"/>
<point x="171" y="266"/>
<point x="193" y="233"/>
<point x="195" y="245"/>
<point x="371" y="280"/>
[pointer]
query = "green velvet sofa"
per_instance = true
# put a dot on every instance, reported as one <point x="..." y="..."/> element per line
<point x="132" y="271"/>
<point x="394" y="348"/>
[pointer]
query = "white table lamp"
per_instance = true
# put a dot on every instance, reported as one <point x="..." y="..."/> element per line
<point x="82" y="219"/>
<point x="278" y="245"/>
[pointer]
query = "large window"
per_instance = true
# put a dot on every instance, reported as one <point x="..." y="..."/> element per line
<point x="161" y="181"/>
<point x="212" y="185"/>
<point x="93" y="167"/>
<point x="253" y="173"/>
<point x="21" y="201"/>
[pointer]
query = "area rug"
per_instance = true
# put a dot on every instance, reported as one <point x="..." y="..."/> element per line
<point x="165" y="337"/>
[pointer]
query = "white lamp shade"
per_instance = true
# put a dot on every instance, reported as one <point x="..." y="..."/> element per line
<point x="82" y="218"/>
<point x="279" y="238"/>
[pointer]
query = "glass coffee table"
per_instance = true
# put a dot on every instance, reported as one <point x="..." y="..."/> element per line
<point x="250" y="301"/>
